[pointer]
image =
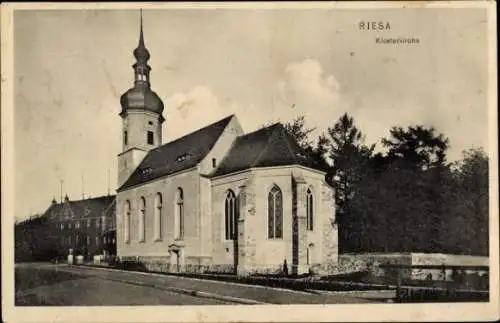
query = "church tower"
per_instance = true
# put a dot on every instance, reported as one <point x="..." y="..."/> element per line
<point x="141" y="115"/>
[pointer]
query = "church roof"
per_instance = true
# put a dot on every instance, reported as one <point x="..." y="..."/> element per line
<point x="266" y="147"/>
<point x="177" y="155"/>
<point x="81" y="209"/>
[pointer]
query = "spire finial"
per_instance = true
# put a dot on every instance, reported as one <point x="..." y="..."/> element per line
<point x="141" y="53"/>
<point x="141" y="37"/>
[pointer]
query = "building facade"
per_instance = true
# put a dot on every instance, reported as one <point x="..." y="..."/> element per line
<point x="87" y="227"/>
<point x="217" y="199"/>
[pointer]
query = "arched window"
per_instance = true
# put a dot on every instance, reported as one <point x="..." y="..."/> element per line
<point x="158" y="218"/>
<point x="231" y="215"/>
<point x="126" y="224"/>
<point x="310" y="210"/>
<point x="142" y="218"/>
<point x="275" y="213"/>
<point x="179" y="214"/>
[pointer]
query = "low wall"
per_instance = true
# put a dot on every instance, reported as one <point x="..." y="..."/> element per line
<point x="370" y="263"/>
<point x="444" y="259"/>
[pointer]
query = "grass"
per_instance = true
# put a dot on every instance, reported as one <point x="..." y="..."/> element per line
<point x="28" y="278"/>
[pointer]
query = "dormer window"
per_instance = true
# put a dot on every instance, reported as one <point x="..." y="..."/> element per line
<point x="146" y="171"/>
<point x="183" y="157"/>
<point x="214" y="162"/>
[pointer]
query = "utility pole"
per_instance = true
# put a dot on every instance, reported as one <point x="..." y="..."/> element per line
<point x="61" y="182"/>
<point x="108" y="177"/>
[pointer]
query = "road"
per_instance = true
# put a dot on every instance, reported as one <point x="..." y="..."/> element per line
<point x="62" y="285"/>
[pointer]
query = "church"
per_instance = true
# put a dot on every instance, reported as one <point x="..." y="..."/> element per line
<point x="217" y="199"/>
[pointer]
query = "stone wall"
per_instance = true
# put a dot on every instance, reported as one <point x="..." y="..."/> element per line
<point x="370" y="262"/>
<point x="444" y="259"/>
<point x="330" y="263"/>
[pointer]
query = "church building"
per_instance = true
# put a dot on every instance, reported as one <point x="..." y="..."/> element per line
<point x="217" y="199"/>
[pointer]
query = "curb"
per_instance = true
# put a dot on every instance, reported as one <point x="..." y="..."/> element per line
<point x="189" y="292"/>
<point x="201" y="279"/>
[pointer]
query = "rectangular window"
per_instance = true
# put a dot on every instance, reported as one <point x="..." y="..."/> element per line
<point x="214" y="162"/>
<point x="150" y="138"/>
<point x="125" y="138"/>
<point x="77" y="225"/>
<point x="88" y="223"/>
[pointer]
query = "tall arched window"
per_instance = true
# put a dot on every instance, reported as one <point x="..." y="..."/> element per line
<point x="275" y="213"/>
<point x="142" y="218"/>
<point x="231" y="215"/>
<point x="179" y="214"/>
<point x="126" y="224"/>
<point x="310" y="210"/>
<point x="158" y="218"/>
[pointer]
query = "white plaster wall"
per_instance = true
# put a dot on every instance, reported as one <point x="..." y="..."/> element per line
<point x="189" y="181"/>
<point x="222" y="146"/>
<point x="274" y="251"/>
<point x="128" y="162"/>
<point x="206" y="226"/>
<point x="223" y="250"/>
<point x="136" y="123"/>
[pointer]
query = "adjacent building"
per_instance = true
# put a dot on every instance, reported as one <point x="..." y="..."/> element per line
<point x="217" y="199"/>
<point x="86" y="226"/>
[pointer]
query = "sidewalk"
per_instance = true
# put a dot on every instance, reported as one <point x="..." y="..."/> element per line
<point x="207" y="288"/>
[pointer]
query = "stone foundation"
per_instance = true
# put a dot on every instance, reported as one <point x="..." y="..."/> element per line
<point x="197" y="265"/>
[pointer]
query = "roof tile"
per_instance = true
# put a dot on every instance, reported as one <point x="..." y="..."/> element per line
<point x="266" y="147"/>
<point x="177" y="155"/>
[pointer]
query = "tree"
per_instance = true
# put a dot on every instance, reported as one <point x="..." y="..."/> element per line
<point x="299" y="132"/>
<point x="297" y="129"/>
<point x="418" y="146"/>
<point x="416" y="178"/>
<point x="350" y="156"/>
<point x="469" y="198"/>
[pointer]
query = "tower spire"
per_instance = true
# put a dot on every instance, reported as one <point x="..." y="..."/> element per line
<point x="141" y="53"/>
<point x="141" y="36"/>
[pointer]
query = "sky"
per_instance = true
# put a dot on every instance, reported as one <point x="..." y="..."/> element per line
<point x="71" y="67"/>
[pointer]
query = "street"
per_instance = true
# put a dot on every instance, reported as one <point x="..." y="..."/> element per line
<point x="63" y="285"/>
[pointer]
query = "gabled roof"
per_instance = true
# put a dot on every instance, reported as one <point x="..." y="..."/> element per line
<point x="266" y="147"/>
<point x="177" y="155"/>
<point x="88" y="208"/>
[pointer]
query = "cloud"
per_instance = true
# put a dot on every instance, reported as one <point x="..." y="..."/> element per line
<point x="191" y="110"/>
<point x="306" y="90"/>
